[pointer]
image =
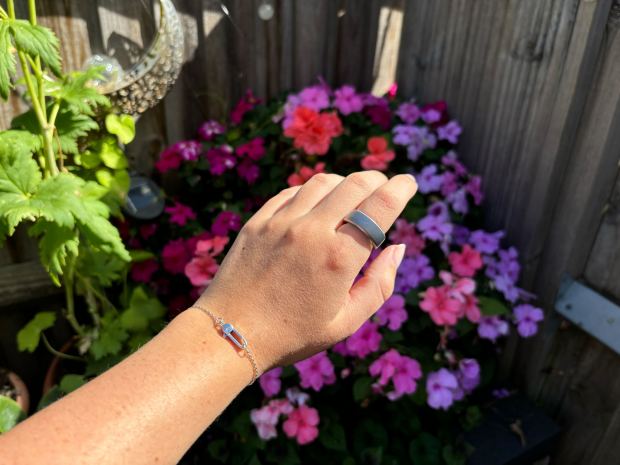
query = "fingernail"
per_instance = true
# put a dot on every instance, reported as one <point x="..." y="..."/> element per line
<point x="398" y="254"/>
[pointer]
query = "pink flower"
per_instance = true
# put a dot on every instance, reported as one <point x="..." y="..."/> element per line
<point x="305" y="173"/>
<point x="443" y="309"/>
<point x="247" y="102"/>
<point x="143" y="271"/>
<point x="462" y="289"/>
<point x="201" y="269"/>
<point x="254" y="149"/>
<point x="403" y="371"/>
<point x="379" y="156"/>
<point x="266" y="418"/>
<point x="465" y="263"/>
<point x="316" y="371"/>
<point x="302" y="425"/>
<point x="180" y="214"/>
<point x="406" y="233"/>
<point x="365" y="340"/>
<point x="392" y="313"/>
<point x="347" y="101"/>
<point x="270" y="382"/>
<point x="209" y="129"/>
<point x="225" y="222"/>
<point x="313" y="132"/>
<point x="248" y="171"/>
<point x="168" y="160"/>
<point x="175" y="255"/>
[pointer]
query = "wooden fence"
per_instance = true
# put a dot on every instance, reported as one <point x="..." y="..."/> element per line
<point x="536" y="84"/>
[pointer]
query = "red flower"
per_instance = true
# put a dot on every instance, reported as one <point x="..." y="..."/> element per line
<point x="379" y="156"/>
<point x="305" y="173"/>
<point x="312" y="131"/>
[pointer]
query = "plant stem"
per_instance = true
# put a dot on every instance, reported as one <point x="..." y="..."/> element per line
<point x="32" y="12"/>
<point x="58" y="353"/>
<point x="69" y="298"/>
<point x="10" y="9"/>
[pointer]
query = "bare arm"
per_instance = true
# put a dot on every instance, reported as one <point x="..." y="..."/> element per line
<point x="287" y="284"/>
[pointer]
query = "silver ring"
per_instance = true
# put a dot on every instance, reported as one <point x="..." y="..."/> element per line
<point x="367" y="225"/>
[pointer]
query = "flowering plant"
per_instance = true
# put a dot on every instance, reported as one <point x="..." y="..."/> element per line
<point x="425" y="361"/>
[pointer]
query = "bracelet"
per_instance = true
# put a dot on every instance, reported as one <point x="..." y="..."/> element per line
<point x="229" y="332"/>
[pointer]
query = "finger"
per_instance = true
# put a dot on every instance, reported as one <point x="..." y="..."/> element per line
<point x="274" y="204"/>
<point x="384" y="206"/>
<point x="310" y="194"/>
<point x="370" y="292"/>
<point x="347" y="196"/>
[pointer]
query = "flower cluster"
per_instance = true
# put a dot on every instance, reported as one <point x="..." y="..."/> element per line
<point x="456" y="292"/>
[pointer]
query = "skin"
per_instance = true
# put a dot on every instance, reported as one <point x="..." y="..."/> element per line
<point x="287" y="285"/>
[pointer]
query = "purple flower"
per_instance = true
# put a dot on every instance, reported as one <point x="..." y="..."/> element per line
<point x="458" y="201"/>
<point x="403" y="134"/>
<point x="393" y="313"/>
<point x="506" y="286"/>
<point x="209" y="129"/>
<point x="527" y="317"/>
<point x="450" y="132"/>
<point x="315" y="97"/>
<point x="460" y="235"/>
<point x="500" y="393"/>
<point x="450" y="159"/>
<point x="347" y="101"/>
<point x="409" y="112"/>
<point x="421" y="140"/>
<point x="412" y="272"/>
<point x="316" y="371"/>
<point x="440" y="386"/>
<point x="270" y="382"/>
<point x="485" y="242"/>
<point x="428" y="180"/>
<point x="492" y="327"/>
<point x="248" y="171"/>
<point x="436" y="225"/>
<point x="468" y="374"/>
<point x="449" y="183"/>
<point x="431" y="115"/>
<point x="224" y="222"/>
<point x="474" y="188"/>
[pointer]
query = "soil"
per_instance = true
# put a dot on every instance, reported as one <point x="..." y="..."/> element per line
<point x="6" y="388"/>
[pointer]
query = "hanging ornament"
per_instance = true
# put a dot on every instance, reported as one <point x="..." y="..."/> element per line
<point x="266" y="11"/>
<point x="141" y="87"/>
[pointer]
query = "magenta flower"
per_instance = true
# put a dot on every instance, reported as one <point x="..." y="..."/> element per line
<point x="143" y="271"/>
<point x="347" y="101"/>
<point x="393" y="313"/>
<point x="247" y="102"/>
<point x="270" y="382"/>
<point x="314" y="97"/>
<point x="408" y="112"/>
<point x="465" y="263"/>
<point x="378" y="110"/>
<point x="450" y="132"/>
<point x="168" y="160"/>
<point x="412" y="272"/>
<point x="301" y="424"/>
<point x="406" y="233"/>
<point x="403" y="371"/>
<point x="248" y="171"/>
<point x="365" y="340"/>
<point x="316" y="371"/>
<point x="492" y="327"/>
<point x="180" y="214"/>
<point x="220" y="159"/>
<point x="175" y="255"/>
<point x="147" y="230"/>
<point x="189" y="150"/>
<point x="209" y="129"/>
<point x="254" y="149"/>
<point x="440" y="386"/>
<point x="474" y="188"/>
<point x="202" y="268"/>
<point x="225" y="222"/>
<point x="527" y="317"/>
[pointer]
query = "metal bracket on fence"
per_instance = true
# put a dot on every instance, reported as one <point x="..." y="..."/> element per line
<point x="589" y="310"/>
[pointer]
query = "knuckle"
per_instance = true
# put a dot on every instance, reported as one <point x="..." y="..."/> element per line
<point x="387" y="200"/>
<point x="250" y="228"/>
<point x="336" y="257"/>
<point x="320" y="178"/>
<point x="360" y="180"/>
<point x="297" y="232"/>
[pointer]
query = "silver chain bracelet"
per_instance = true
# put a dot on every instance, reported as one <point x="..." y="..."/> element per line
<point x="229" y="332"/>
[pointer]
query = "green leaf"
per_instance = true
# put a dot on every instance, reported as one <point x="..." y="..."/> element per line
<point x="218" y="450"/>
<point x="110" y="153"/>
<point x="16" y="143"/>
<point x="142" y="310"/>
<point x="49" y="397"/>
<point x="37" y="40"/>
<point x="110" y="339"/>
<point x="490" y="306"/>
<point x="7" y="60"/>
<point x="71" y="382"/>
<point x="57" y="244"/>
<point x="89" y="159"/>
<point x="361" y="388"/>
<point x="28" y="337"/>
<point x="425" y="449"/>
<point x="100" y="266"/>
<point x="122" y="126"/>
<point x="140" y="255"/>
<point x="75" y="91"/>
<point x="452" y="456"/>
<point x="333" y="437"/>
<point x="10" y="414"/>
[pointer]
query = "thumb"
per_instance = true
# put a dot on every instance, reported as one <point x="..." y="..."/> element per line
<point x="374" y="288"/>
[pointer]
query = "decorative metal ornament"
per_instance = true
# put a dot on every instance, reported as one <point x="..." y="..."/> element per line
<point x="145" y="200"/>
<point x="146" y="83"/>
<point x="266" y="11"/>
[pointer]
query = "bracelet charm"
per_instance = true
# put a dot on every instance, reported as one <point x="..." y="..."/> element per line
<point x="228" y="331"/>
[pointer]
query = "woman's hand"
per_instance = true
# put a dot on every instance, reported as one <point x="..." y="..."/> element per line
<point x="288" y="284"/>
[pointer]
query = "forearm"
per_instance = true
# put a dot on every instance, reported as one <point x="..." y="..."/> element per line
<point x="148" y="409"/>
